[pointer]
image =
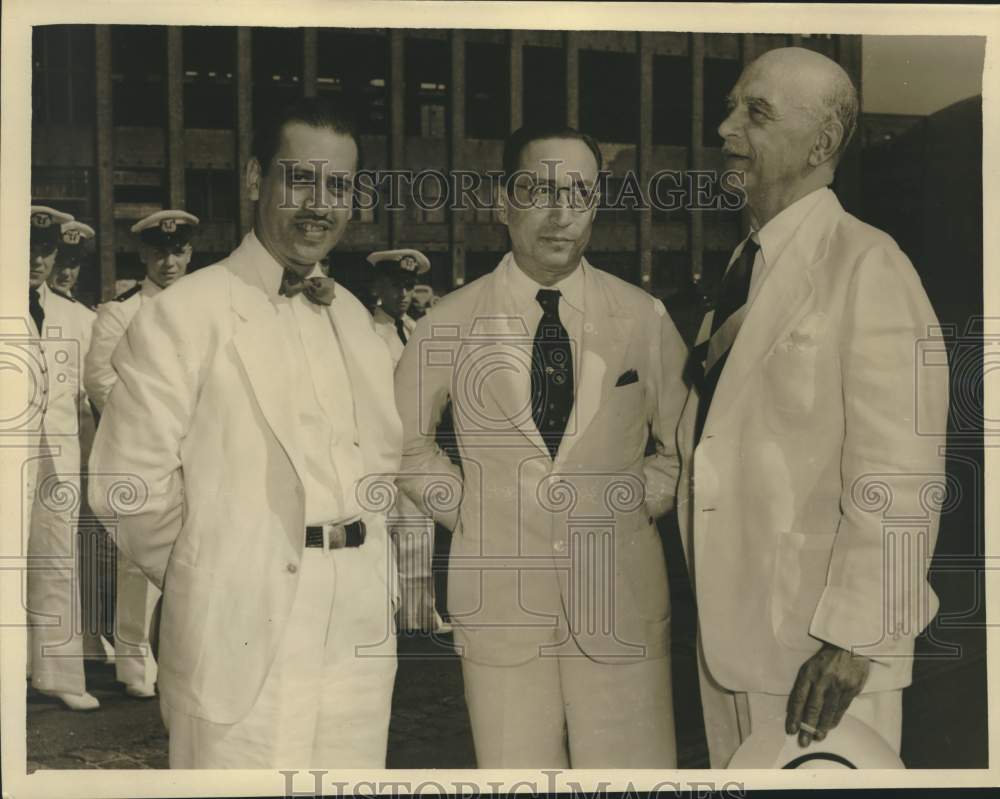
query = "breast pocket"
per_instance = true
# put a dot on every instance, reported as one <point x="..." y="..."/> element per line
<point x="790" y="374"/>
<point x="624" y="408"/>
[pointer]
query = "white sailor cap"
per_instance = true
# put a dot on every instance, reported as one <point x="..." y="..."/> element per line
<point x="169" y="228"/>
<point x="45" y="224"/>
<point x="412" y="262"/>
<point x="76" y="232"/>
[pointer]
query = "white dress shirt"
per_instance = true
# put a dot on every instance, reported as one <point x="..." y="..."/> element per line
<point x="775" y="235"/>
<point x="321" y="400"/>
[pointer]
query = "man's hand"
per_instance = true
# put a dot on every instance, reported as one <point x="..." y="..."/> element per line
<point x="824" y="688"/>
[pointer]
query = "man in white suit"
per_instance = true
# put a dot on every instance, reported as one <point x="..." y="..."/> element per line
<point x="807" y="374"/>
<point x="253" y="401"/>
<point x="53" y="589"/>
<point x="558" y="374"/>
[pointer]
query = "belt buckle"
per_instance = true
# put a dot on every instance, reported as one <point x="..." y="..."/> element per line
<point x="334" y="536"/>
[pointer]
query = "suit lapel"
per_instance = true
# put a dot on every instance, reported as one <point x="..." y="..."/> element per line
<point x="786" y="288"/>
<point x="262" y="349"/>
<point x="606" y="331"/>
<point x="504" y="363"/>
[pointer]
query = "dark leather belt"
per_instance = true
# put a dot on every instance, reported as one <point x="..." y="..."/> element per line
<point x="342" y="535"/>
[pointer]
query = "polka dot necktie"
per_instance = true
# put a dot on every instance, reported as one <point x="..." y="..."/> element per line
<point x="551" y="373"/>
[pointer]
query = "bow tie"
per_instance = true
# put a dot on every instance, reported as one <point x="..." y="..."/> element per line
<point x="318" y="290"/>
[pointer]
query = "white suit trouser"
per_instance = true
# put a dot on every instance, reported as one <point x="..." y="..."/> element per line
<point x="56" y="643"/>
<point x="326" y="700"/>
<point x="613" y="715"/>
<point x="135" y="598"/>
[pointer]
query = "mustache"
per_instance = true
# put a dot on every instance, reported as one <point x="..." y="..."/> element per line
<point x="317" y="218"/>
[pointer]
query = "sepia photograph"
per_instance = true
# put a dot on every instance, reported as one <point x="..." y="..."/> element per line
<point x="556" y="389"/>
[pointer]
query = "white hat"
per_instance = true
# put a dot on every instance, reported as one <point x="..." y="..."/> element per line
<point x="76" y="232"/>
<point x="852" y="744"/>
<point x="412" y="261"/>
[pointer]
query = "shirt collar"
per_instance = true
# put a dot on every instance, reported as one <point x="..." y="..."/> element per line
<point x="43" y="293"/>
<point x="775" y="235"/>
<point x="524" y="288"/>
<point x="270" y="271"/>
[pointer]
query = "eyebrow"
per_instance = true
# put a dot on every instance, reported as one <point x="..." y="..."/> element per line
<point x="759" y="102"/>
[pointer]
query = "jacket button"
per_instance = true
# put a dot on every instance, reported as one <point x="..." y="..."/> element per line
<point x="292" y="568"/>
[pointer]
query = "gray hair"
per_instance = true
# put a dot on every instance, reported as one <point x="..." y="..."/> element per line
<point x="840" y="102"/>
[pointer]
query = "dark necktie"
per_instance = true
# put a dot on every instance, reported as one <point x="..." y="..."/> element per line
<point x="401" y="330"/>
<point x="551" y="373"/>
<point x="733" y="293"/>
<point x="35" y="308"/>
<point x="318" y="290"/>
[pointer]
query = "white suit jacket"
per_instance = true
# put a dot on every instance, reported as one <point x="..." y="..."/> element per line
<point x="547" y="554"/>
<point x="197" y="425"/>
<point x="810" y="506"/>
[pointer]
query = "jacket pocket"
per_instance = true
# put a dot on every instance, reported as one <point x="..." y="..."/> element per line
<point x="801" y="563"/>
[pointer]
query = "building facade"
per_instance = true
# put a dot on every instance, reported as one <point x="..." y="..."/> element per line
<point x="131" y="119"/>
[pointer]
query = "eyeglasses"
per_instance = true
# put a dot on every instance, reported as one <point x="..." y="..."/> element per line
<point x="547" y="195"/>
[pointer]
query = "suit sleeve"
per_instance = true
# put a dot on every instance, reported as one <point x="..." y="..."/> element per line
<point x="422" y="393"/>
<point x="666" y="400"/>
<point x="135" y="465"/>
<point x="877" y="598"/>
<point x="99" y="374"/>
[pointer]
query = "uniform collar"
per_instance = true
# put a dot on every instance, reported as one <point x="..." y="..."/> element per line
<point x="523" y="288"/>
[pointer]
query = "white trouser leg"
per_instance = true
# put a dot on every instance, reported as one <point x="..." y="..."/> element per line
<point x="135" y="598"/>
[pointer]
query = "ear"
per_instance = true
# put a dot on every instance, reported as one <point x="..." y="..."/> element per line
<point x="253" y="177"/>
<point x="827" y="142"/>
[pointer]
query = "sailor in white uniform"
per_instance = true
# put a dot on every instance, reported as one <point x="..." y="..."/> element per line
<point x="395" y="275"/>
<point x="56" y="645"/>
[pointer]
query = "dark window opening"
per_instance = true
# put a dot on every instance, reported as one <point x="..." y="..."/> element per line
<point x="138" y="67"/>
<point x="210" y="194"/>
<point x="487" y="90"/>
<point x="277" y="69"/>
<point x="544" y="94"/>
<point x="609" y="96"/>
<point x="209" y="77"/>
<point x="62" y="88"/>
<point x="355" y="67"/>
<point x="428" y="67"/>
<point x="672" y="100"/>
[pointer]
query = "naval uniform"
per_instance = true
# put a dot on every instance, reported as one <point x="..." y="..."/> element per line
<point x="53" y="594"/>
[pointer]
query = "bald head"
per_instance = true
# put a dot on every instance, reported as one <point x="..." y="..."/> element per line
<point x="816" y="84"/>
<point x="791" y="116"/>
